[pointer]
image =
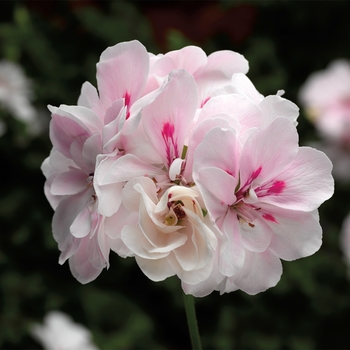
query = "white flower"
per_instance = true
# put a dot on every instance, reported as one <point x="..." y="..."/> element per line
<point x="172" y="235"/>
<point x="16" y="94"/>
<point x="59" y="332"/>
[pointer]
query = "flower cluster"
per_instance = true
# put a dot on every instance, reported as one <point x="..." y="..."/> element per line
<point x="180" y="162"/>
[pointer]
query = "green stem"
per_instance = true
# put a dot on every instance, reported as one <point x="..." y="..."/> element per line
<point x="192" y="322"/>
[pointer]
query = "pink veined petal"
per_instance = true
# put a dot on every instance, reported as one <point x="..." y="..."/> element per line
<point x="259" y="272"/>
<point x="217" y="73"/>
<point x="167" y="120"/>
<point x="219" y="149"/>
<point x="59" y="163"/>
<point x="308" y="182"/>
<point x="81" y="225"/>
<point x="103" y="164"/>
<point x="89" y="98"/>
<point x="68" y="183"/>
<point x="243" y="86"/>
<point x="111" y="133"/>
<point x="82" y="115"/>
<point x="190" y="58"/>
<point x="237" y="106"/>
<point x="296" y="234"/>
<point x="122" y="72"/>
<point x="81" y="268"/>
<point x="99" y="251"/>
<point x="217" y="188"/>
<point x="221" y="120"/>
<point x="268" y="151"/>
<point x="109" y="195"/>
<point x="155" y="270"/>
<point x="91" y="149"/>
<point x="110" y="198"/>
<point x="114" y="224"/>
<point x="275" y="106"/>
<point x="64" y="131"/>
<point x="128" y="167"/>
<point x="66" y="254"/>
<point x="137" y="144"/>
<point x="113" y="111"/>
<point x="76" y="154"/>
<point x="257" y="236"/>
<point x="228" y="62"/>
<point x="65" y="214"/>
<point x="102" y="240"/>
<point x="232" y="250"/>
<point x="53" y="200"/>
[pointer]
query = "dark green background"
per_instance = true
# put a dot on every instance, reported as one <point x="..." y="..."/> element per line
<point x="58" y="44"/>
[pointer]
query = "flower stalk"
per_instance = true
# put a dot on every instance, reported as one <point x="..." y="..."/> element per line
<point x="192" y="322"/>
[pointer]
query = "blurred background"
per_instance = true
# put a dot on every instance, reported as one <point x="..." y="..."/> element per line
<point x="57" y="44"/>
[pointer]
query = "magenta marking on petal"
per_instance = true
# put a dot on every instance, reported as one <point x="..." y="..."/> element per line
<point x="168" y="130"/>
<point x="255" y="174"/>
<point x="277" y="187"/>
<point x="245" y="187"/>
<point x="127" y="98"/>
<point x="269" y="217"/>
<point x="205" y="101"/>
<point x="170" y="144"/>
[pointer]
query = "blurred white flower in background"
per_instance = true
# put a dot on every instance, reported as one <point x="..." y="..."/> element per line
<point x="60" y="332"/>
<point x="16" y="95"/>
<point x="345" y="242"/>
<point x="326" y="99"/>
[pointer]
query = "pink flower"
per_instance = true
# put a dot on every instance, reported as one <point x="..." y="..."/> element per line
<point x="263" y="194"/>
<point x="326" y="97"/>
<point x="77" y="134"/>
<point x="180" y="162"/>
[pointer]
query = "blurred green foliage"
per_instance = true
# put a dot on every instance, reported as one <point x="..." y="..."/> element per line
<point x="58" y="45"/>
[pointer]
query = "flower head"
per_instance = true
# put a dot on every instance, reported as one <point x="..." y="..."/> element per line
<point x="181" y="163"/>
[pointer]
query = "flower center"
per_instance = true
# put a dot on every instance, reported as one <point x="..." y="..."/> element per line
<point x="175" y="214"/>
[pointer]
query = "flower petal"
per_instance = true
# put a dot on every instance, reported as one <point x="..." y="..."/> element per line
<point x="167" y="120"/>
<point x="122" y="72"/>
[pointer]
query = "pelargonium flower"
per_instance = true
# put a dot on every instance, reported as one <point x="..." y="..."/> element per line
<point x="263" y="193"/>
<point x="59" y="332"/>
<point x="181" y="163"/>
<point x="78" y="137"/>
